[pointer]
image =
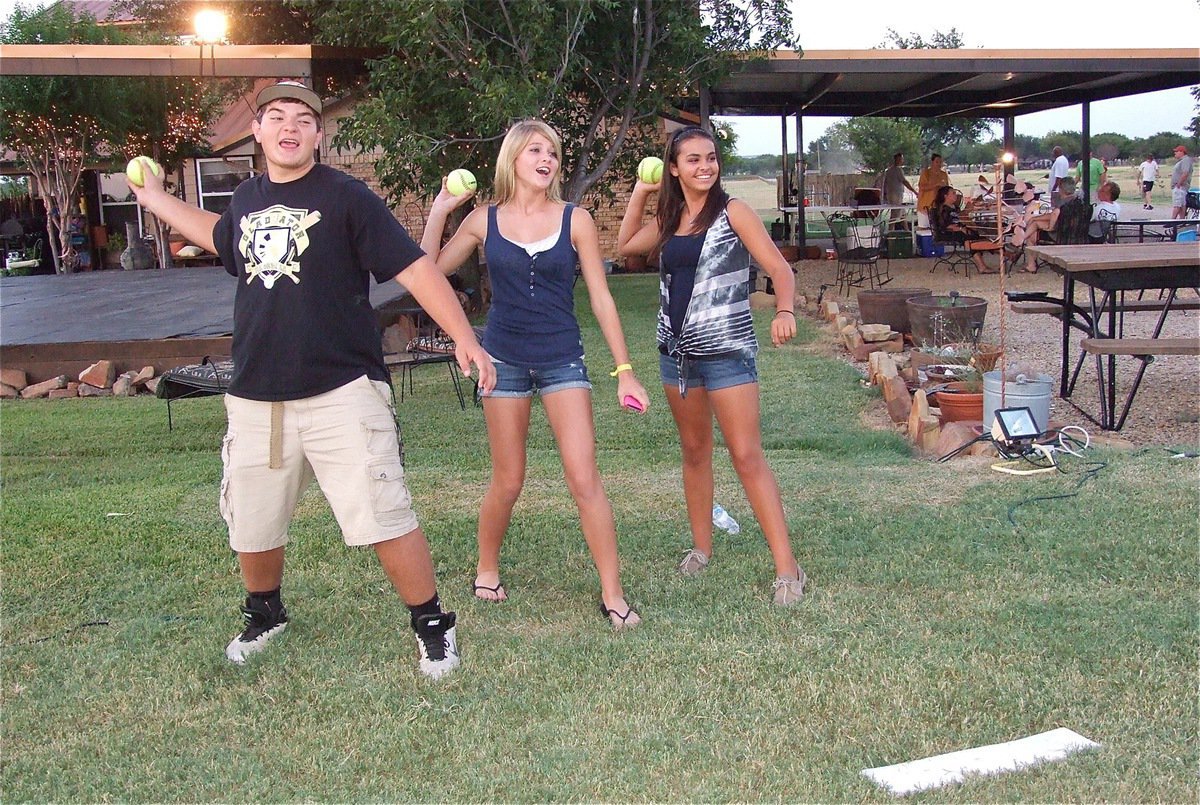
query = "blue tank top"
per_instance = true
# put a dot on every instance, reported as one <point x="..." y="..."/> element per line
<point x="532" y="320"/>
<point x="680" y="256"/>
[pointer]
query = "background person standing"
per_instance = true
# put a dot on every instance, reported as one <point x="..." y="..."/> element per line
<point x="1149" y="174"/>
<point x="1060" y="170"/>
<point x="928" y="183"/>
<point x="1097" y="174"/>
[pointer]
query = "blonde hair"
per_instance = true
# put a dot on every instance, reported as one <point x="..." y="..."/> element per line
<point x="518" y="136"/>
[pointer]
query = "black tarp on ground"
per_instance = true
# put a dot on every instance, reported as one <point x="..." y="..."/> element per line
<point x="127" y="305"/>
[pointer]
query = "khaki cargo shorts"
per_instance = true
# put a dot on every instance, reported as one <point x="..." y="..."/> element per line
<point x="345" y="438"/>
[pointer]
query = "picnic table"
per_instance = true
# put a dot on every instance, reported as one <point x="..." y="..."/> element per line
<point x="1110" y="271"/>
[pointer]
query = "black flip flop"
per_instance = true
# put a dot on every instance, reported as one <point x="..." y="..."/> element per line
<point x="499" y="588"/>
<point x="607" y="613"/>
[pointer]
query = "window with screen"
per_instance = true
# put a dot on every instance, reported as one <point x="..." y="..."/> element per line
<point x="216" y="180"/>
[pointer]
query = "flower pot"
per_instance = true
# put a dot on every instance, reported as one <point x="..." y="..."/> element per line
<point x="940" y="374"/>
<point x="887" y="306"/>
<point x="983" y="356"/>
<point x="940" y="320"/>
<point x="959" y="405"/>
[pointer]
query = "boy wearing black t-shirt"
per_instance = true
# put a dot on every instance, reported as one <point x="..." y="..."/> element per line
<point x="310" y="394"/>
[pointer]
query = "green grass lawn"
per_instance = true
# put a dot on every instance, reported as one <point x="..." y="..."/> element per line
<point x="931" y="624"/>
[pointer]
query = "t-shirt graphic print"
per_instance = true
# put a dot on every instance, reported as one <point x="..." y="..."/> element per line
<point x="272" y="241"/>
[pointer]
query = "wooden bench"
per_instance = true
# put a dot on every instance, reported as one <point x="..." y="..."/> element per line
<point x="1132" y="306"/>
<point x="1142" y="346"/>
<point x="1053" y="308"/>
<point x="1145" y="350"/>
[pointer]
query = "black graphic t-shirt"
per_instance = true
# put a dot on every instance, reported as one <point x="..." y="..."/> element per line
<point x="304" y="253"/>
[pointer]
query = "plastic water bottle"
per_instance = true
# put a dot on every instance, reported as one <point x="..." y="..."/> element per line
<point x="722" y="519"/>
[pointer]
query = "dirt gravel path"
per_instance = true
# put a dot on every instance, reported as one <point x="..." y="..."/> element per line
<point x="1166" y="410"/>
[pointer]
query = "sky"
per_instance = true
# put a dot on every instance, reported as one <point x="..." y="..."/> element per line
<point x="826" y="25"/>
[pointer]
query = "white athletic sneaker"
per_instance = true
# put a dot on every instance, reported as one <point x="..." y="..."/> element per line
<point x="261" y="626"/>
<point x="436" y="642"/>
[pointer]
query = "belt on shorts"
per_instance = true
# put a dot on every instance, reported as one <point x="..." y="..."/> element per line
<point x="276" y="457"/>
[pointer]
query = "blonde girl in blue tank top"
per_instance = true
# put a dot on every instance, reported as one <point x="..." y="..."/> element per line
<point x="532" y="241"/>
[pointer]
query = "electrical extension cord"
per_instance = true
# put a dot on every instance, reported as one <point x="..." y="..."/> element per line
<point x="1025" y="465"/>
<point x="1020" y="467"/>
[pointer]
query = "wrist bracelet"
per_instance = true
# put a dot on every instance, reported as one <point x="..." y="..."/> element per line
<point x="621" y="367"/>
<point x="791" y="313"/>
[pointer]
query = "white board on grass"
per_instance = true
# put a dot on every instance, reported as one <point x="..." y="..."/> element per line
<point x="953" y="767"/>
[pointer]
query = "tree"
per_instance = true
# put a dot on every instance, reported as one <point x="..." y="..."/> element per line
<point x="1111" y="145"/>
<point x="1161" y="144"/>
<point x="946" y="133"/>
<point x="257" y="22"/>
<point x="57" y="124"/>
<point x="455" y="75"/>
<point x="876" y="139"/>
<point x="832" y="152"/>
<point x="61" y="125"/>
<point x="1071" y="142"/>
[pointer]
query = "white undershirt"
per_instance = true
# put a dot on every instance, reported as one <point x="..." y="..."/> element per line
<point x="541" y="245"/>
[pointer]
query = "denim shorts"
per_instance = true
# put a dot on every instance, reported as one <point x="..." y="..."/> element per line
<point x="514" y="381"/>
<point x="713" y="374"/>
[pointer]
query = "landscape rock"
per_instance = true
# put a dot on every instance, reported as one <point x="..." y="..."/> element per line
<point x="953" y="436"/>
<point x="16" y="378"/>
<point x="7" y="392"/>
<point x="123" y="385"/>
<point x="100" y="374"/>
<point x="143" y="376"/>
<point x="88" y="390"/>
<point x="44" y="388"/>
<point x="762" y="301"/>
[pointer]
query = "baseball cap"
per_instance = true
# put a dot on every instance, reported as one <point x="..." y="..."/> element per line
<point x="292" y="90"/>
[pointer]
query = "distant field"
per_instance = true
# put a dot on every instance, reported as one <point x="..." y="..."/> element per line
<point x="759" y="193"/>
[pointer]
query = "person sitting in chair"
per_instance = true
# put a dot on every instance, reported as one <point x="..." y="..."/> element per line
<point x="1106" y="211"/>
<point x="1076" y="209"/>
<point x="946" y="205"/>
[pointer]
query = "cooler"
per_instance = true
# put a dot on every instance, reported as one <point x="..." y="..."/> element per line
<point x="925" y="244"/>
<point x="899" y="245"/>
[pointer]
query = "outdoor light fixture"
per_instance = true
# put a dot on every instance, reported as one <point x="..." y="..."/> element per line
<point x="1014" y="427"/>
<point x="211" y="25"/>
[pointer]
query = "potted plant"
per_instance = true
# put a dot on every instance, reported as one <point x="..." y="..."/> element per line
<point x="113" y="248"/>
<point x="962" y="400"/>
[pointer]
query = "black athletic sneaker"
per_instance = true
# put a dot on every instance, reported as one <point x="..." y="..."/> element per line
<point x="435" y="640"/>
<point x="262" y="624"/>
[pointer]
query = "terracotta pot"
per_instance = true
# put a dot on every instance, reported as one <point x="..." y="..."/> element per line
<point x="985" y="356"/>
<point x="959" y="405"/>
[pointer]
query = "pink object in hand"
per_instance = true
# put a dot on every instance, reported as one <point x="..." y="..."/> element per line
<point x="632" y="404"/>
